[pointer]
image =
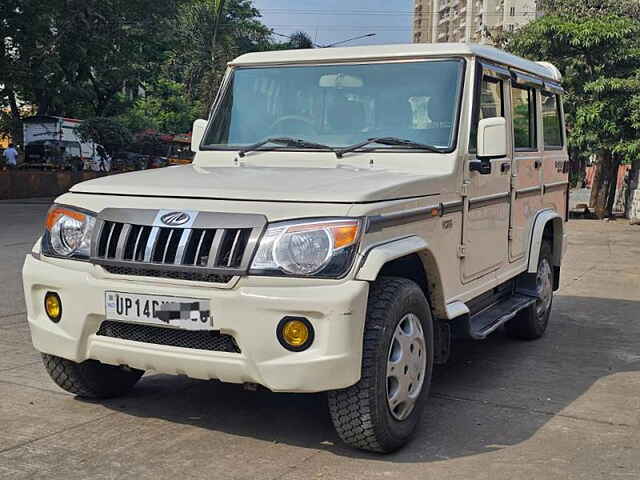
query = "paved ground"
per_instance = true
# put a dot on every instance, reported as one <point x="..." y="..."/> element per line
<point x="567" y="406"/>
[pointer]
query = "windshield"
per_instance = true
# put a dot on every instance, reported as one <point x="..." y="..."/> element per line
<point x="340" y="105"/>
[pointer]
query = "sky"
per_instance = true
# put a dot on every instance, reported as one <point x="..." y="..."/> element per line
<point x="330" y="21"/>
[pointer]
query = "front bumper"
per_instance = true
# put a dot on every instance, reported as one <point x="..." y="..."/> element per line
<point x="250" y="312"/>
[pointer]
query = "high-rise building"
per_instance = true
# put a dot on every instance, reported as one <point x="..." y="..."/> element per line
<point x="469" y="20"/>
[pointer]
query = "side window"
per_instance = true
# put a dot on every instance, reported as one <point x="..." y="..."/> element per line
<point x="551" y="120"/>
<point x="490" y="105"/>
<point x="523" y="100"/>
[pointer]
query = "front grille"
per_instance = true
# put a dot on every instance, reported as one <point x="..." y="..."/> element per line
<point x="216" y="245"/>
<point x="193" y="276"/>
<point x="200" y="247"/>
<point x="199" y="340"/>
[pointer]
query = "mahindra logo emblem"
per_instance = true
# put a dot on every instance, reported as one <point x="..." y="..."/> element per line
<point x="175" y="219"/>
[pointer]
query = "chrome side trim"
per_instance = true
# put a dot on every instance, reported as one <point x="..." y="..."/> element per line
<point x="377" y="222"/>
<point x="555" y="186"/>
<point x="524" y="192"/>
<point x="488" y="200"/>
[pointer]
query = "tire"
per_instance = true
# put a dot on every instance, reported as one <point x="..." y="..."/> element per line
<point x="90" y="379"/>
<point x="362" y="414"/>
<point x="531" y="323"/>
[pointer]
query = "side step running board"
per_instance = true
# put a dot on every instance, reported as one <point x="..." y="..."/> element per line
<point x="481" y="324"/>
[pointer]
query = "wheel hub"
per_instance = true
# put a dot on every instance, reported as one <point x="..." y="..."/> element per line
<point x="406" y="365"/>
<point x="544" y="288"/>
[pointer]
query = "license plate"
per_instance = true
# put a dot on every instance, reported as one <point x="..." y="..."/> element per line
<point x="178" y="312"/>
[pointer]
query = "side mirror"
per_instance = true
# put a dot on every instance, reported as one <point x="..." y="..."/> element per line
<point x="492" y="138"/>
<point x="199" y="126"/>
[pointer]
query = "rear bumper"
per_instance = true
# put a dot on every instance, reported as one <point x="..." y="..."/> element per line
<point x="249" y="312"/>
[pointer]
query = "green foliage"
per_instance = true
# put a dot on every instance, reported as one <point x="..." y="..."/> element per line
<point x="622" y="8"/>
<point x="165" y="107"/>
<point x="205" y="41"/>
<point x="94" y="58"/>
<point x="74" y="56"/>
<point x="599" y="57"/>
<point x="109" y="133"/>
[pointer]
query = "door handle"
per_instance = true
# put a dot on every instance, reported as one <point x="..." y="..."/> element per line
<point x="505" y="167"/>
<point x="537" y="164"/>
<point x="482" y="166"/>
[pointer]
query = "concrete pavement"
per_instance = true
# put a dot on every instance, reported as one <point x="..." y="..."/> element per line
<point x="566" y="406"/>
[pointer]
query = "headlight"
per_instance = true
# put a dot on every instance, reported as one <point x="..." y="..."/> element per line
<point x="323" y="248"/>
<point x="68" y="233"/>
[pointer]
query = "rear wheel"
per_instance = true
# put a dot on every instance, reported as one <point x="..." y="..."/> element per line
<point x="90" y="379"/>
<point x="381" y="411"/>
<point x="531" y="323"/>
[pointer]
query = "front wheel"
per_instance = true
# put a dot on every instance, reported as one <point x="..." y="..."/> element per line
<point x="381" y="411"/>
<point x="90" y="379"/>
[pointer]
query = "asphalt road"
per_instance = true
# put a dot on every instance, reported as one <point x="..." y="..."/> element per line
<point x="566" y="406"/>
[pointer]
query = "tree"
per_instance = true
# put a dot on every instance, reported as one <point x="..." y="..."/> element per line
<point x="197" y="60"/>
<point x="75" y="56"/>
<point x="165" y="107"/>
<point x="112" y="135"/>
<point x="300" y="40"/>
<point x="584" y="8"/>
<point x="599" y="57"/>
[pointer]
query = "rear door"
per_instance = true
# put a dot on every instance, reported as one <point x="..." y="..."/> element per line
<point x="526" y="196"/>
<point x="556" y="160"/>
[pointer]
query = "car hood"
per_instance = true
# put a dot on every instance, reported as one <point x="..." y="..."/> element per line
<point x="340" y="184"/>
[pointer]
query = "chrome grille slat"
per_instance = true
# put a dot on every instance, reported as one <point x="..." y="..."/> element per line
<point x="111" y="239"/>
<point x="135" y="246"/>
<point x="196" y="259"/>
<point x="215" y="247"/>
<point x="122" y="241"/>
<point x="184" y="241"/>
<point x="166" y="246"/>
<point x="233" y="248"/>
<point x="209" y="245"/>
<point x="151" y="244"/>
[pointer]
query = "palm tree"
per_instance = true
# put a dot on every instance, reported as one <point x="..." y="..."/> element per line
<point x="300" y="40"/>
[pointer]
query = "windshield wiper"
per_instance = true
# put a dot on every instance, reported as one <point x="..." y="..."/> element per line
<point x="388" y="141"/>
<point x="286" y="141"/>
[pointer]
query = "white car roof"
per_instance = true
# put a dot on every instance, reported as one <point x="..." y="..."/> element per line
<point x="397" y="52"/>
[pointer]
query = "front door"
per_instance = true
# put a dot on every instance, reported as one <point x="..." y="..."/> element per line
<point x="487" y="202"/>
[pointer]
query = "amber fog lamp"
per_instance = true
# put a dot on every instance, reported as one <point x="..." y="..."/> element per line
<point x="295" y="333"/>
<point x="53" y="306"/>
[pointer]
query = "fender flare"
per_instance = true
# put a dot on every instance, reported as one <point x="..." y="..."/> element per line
<point x="376" y="257"/>
<point x="541" y="221"/>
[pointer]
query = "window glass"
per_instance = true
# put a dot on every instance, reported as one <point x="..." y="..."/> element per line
<point x="340" y="105"/>
<point x="491" y="106"/>
<point x="551" y="124"/>
<point x="524" y="118"/>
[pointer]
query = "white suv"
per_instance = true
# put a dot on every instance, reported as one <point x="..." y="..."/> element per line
<point x="349" y="212"/>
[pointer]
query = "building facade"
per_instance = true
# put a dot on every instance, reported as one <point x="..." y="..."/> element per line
<point x="478" y="21"/>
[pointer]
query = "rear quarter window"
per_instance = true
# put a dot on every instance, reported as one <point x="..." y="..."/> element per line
<point x="551" y="120"/>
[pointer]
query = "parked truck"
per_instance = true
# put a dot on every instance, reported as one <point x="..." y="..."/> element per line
<point x="350" y="212"/>
<point x="53" y="142"/>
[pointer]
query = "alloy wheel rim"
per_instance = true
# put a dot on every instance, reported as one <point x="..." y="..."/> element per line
<point x="544" y="287"/>
<point x="406" y="364"/>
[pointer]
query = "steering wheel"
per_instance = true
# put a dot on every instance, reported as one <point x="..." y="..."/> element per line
<point x="295" y="120"/>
